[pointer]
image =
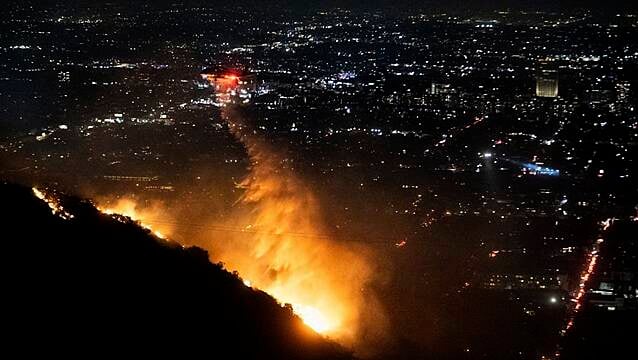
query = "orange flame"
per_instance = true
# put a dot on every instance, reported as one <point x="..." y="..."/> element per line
<point x="287" y="254"/>
<point x="53" y="203"/>
<point x="284" y="250"/>
<point x="142" y="214"/>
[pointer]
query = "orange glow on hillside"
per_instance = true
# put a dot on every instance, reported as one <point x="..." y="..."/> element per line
<point x="53" y="203"/>
<point x="288" y="254"/>
<point x="142" y="215"/>
<point x="285" y="250"/>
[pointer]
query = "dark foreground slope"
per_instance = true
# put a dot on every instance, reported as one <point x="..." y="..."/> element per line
<point x="93" y="285"/>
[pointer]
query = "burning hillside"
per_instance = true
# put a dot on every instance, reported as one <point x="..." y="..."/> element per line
<point x="79" y="282"/>
<point x="276" y="241"/>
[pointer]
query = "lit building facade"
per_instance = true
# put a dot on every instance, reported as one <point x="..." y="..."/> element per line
<point x="547" y="79"/>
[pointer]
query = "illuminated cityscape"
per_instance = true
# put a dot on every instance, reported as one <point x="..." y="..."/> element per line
<point x="411" y="181"/>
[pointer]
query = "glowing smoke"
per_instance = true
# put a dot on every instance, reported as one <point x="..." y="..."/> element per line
<point x="152" y="216"/>
<point x="287" y="254"/>
<point x="283" y="249"/>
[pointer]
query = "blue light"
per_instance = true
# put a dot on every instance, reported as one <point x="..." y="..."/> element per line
<point x="541" y="170"/>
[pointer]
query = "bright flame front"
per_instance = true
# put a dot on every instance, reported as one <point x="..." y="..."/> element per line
<point x="276" y="241"/>
<point x="313" y="318"/>
<point x="144" y="216"/>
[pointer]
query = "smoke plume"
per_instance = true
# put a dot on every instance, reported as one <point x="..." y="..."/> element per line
<point x="285" y="250"/>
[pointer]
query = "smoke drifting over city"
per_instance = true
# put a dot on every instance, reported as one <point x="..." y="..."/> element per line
<point x="289" y="253"/>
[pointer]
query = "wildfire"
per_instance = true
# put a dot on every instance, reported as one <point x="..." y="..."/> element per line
<point x="282" y="247"/>
<point x="320" y="279"/>
<point x="53" y="203"/>
<point x="129" y="208"/>
<point x="322" y="316"/>
<point x="287" y="254"/>
<point x="313" y="318"/>
<point x="322" y="322"/>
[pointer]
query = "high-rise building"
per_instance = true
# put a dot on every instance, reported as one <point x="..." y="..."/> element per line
<point x="623" y="96"/>
<point x="546" y="79"/>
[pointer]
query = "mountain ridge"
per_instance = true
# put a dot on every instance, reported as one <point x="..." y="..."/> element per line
<point x="95" y="283"/>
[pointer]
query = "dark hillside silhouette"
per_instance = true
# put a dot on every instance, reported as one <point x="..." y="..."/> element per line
<point x="94" y="285"/>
